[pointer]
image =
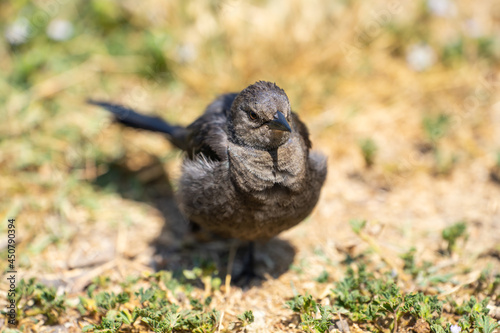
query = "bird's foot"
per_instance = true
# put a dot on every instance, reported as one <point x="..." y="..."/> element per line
<point x="248" y="274"/>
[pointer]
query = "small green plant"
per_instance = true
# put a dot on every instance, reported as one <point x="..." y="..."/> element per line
<point x="109" y="301"/>
<point x="109" y="324"/>
<point x="145" y="295"/>
<point x="494" y="286"/>
<point x="377" y="304"/>
<point x="435" y="127"/>
<point x="247" y="317"/>
<point x="244" y="319"/>
<point x="409" y="262"/>
<point x="303" y="304"/>
<point x="301" y="267"/>
<point x="322" y="277"/>
<point x="158" y="323"/>
<point x="309" y="312"/>
<point x="452" y="233"/>
<point x="424" y="274"/>
<point x="485" y="324"/>
<point x="207" y="273"/>
<point x="369" y="150"/>
<point x="357" y="225"/>
<point x="152" y="307"/>
<point x="35" y="298"/>
<point x="475" y="316"/>
<point x="472" y="307"/>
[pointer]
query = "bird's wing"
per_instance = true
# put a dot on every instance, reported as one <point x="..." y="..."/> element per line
<point x="208" y="133"/>
<point x="302" y="129"/>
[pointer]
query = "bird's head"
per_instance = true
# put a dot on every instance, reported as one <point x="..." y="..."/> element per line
<point x="261" y="117"/>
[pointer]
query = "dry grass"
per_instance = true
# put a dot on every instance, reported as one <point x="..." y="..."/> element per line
<point x="343" y="65"/>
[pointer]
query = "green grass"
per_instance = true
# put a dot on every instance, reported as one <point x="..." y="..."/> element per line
<point x="371" y="299"/>
<point x="369" y="150"/>
<point x="368" y="295"/>
<point x="379" y="305"/>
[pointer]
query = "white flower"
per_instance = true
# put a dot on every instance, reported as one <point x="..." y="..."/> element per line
<point x="420" y="57"/>
<point x="60" y="30"/>
<point x="441" y="7"/>
<point x="18" y="32"/>
<point x="455" y="329"/>
<point x="186" y="53"/>
<point x="472" y="28"/>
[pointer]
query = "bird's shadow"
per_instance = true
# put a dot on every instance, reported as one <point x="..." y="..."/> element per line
<point x="180" y="245"/>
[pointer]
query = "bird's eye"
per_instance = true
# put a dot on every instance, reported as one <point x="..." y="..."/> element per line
<point x="252" y="115"/>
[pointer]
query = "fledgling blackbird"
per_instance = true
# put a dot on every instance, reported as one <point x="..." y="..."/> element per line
<point x="249" y="172"/>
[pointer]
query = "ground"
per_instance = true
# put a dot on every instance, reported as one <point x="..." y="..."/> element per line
<point x="403" y="98"/>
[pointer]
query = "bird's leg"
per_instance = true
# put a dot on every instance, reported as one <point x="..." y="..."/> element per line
<point x="248" y="273"/>
<point x="249" y="261"/>
<point x="194" y="227"/>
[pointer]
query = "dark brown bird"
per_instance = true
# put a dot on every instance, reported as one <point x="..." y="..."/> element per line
<point x="249" y="172"/>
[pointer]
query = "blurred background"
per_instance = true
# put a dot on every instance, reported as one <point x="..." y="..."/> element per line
<point x="403" y="96"/>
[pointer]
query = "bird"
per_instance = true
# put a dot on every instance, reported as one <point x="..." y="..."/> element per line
<point x="249" y="171"/>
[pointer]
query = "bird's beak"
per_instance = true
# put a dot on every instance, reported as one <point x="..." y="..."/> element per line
<point x="279" y="123"/>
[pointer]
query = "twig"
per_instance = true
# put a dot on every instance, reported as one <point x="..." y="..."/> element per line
<point x="220" y="321"/>
<point x="373" y="244"/>
<point x="232" y="254"/>
<point x="81" y="282"/>
<point x="475" y="276"/>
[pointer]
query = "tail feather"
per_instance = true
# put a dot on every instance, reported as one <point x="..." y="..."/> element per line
<point x="176" y="134"/>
